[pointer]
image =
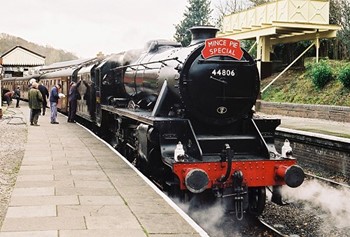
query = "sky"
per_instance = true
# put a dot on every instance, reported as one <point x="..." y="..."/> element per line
<point x="87" y="27"/>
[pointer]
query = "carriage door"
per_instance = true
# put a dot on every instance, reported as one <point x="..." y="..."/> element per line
<point x="97" y="85"/>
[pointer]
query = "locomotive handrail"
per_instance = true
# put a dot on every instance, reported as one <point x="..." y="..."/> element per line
<point x="143" y="64"/>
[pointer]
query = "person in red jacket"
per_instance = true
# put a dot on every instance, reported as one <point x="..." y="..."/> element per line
<point x="8" y="97"/>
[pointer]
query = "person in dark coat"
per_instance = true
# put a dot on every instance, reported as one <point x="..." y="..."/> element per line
<point x="45" y="95"/>
<point x="17" y="96"/>
<point x="54" y="96"/>
<point x="34" y="101"/>
<point x="72" y="102"/>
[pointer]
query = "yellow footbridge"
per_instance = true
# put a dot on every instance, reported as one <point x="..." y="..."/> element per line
<point x="279" y="22"/>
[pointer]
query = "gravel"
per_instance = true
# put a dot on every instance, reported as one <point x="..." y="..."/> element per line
<point x="298" y="219"/>
<point x="13" y="136"/>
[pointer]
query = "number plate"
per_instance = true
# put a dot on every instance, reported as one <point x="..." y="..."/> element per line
<point x="223" y="72"/>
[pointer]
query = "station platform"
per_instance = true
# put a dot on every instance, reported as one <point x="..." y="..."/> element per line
<point x="328" y="129"/>
<point x="71" y="183"/>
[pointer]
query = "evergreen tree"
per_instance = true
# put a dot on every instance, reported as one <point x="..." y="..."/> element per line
<point x="197" y="13"/>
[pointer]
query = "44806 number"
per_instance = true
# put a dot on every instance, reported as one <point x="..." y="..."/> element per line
<point x="223" y="72"/>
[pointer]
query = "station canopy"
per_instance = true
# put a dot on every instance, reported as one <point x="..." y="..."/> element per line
<point x="282" y="21"/>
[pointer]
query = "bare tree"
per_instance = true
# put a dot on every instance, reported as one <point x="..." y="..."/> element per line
<point x="344" y="34"/>
<point x="227" y="7"/>
<point x="259" y="2"/>
<point x="339" y="14"/>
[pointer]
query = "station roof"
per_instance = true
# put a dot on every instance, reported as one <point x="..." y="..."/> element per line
<point x="284" y="32"/>
<point x="20" y="56"/>
<point x="59" y="73"/>
<point x="66" y="64"/>
<point x="282" y="21"/>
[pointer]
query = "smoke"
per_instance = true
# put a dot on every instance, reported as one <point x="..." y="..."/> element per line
<point x="212" y="218"/>
<point x="131" y="55"/>
<point x="331" y="207"/>
<point x="332" y="204"/>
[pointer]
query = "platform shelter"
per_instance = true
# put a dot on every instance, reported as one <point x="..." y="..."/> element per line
<point x="279" y="22"/>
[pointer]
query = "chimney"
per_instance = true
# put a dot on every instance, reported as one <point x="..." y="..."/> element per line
<point x="201" y="33"/>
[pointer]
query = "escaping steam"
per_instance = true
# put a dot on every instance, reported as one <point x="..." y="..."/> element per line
<point x="212" y="219"/>
<point x="332" y="204"/>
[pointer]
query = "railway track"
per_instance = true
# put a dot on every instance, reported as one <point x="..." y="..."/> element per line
<point x="274" y="231"/>
<point x="327" y="181"/>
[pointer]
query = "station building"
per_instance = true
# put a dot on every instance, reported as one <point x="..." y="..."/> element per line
<point x="20" y="61"/>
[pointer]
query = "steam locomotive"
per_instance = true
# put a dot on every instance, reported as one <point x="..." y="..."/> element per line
<point x="183" y="116"/>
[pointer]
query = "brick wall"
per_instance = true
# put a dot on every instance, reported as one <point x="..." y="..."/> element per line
<point x="326" y="153"/>
<point x="328" y="112"/>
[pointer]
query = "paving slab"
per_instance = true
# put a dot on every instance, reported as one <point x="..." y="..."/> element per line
<point x="49" y="233"/>
<point x="31" y="211"/>
<point x="43" y="223"/>
<point x="104" y="233"/>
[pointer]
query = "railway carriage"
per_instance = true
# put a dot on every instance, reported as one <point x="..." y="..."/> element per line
<point x="10" y="84"/>
<point x="63" y="77"/>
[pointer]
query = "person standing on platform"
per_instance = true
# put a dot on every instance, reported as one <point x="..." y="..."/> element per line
<point x="54" y="96"/>
<point x="31" y="81"/>
<point x="72" y="102"/>
<point x="8" y="97"/>
<point x="45" y="94"/>
<point x="34" y="100"/>
<point x="17" y="96"/>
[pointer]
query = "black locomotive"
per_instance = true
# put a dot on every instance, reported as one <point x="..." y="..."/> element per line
<point x="183" y="115"/>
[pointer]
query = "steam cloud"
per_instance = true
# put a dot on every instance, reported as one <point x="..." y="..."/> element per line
<point x="334" y="204"/>
<point x="210" y="218"/>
